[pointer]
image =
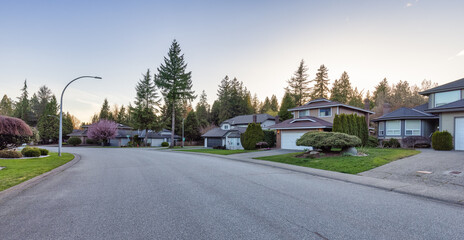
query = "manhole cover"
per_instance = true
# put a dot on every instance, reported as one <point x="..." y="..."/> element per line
<point x="424" y="172"/>
<point x="455" y="172"/>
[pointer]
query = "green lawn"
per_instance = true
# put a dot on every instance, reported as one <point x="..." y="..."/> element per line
<point x="217" y="151"/>
<point x="19" y="170"/>
<point x="346" y="164"/>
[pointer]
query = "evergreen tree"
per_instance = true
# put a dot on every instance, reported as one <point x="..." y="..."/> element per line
<point x="336" y="124"/>
<point x="192" y="127"/>
<point x="23" y="108"/>
<point x="341" y="89"/>
<point x="175" y="83"/>
<point x="252" y="135"/>
<point x="105" y="110"/>
<point x="121" y="117"/>
<point x="145" y="104"/>
<point x="40" y="100"/>
<point x="266" y="106"/>
<point x="6" y="106"/>
<point x="356" y="98"/>
<point x="298" y="85"/>
<point x="48" y="124"/>
<point x="321" y="83"/>
<point x="255" y="104"/>
<point x="234" y="99"/>
<point x="203" y="110"/>
<point x="287" y="103"/>
<point x="274" y="105"/>
<point x="215" y="111"/>
<point x="381" y="93"/>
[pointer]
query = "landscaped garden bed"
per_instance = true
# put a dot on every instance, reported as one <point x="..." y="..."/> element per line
<point x="346" y="164"/>
<point x="218" y="151"/>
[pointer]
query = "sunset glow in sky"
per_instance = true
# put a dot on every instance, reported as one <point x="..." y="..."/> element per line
<point x="259" y="42"/>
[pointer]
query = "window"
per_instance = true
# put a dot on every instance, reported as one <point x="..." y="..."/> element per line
<point x="304" y="113"/>
<point x="381" y="128"/>
<point x="325" y="112"/>
<point x="446" y="97"/>
<point x="393" y="128"/>
<point x="225" y="127"/>
<point x="412" y="128"/>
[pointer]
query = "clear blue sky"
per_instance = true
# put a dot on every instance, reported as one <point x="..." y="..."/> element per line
<point x="259" y="42"/>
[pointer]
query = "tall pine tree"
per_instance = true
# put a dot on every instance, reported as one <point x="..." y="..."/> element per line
<point x="6" y="106"/>
<point x="287" y="102"/>
<point x="321" y="83"/>
<point x="175" y="82"/>
<point x="341" y="89"/>
<point x="203" y="110"/>
<point x="23" y="107"/>
<point x="105" y="110"/>
<point x="298" y="85"/>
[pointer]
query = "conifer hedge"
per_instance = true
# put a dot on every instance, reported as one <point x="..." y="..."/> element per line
<point x="352" y="124"/>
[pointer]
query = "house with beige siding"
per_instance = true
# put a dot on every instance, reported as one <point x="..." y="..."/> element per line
<point x="316" y="115"/>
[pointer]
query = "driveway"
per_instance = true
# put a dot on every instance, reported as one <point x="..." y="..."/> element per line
<point x="144" y="194"/>
<point x="430" y="167"/>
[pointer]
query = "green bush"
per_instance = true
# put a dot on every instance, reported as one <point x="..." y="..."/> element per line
<point x="164" y="144"/>
<point x="328" y="140"/>
<point x="10" y="154"/>
<point x="90" y="141"/>
<point x="372" y="141"/>
<point x="392" y="143"/>
<point x="43" y="152"/>
<point x="442" y="141"/>
<point x="252" y="136"/>
<point x="30" y="152"/>
<point x="74" y="141"/>
<point x="352" y="124"/>
<point x="269" y="138"/>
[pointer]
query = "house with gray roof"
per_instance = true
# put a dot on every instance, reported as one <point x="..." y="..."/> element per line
<point x="444" y="111"/>
<point x="316" y="115"/>
<point x="228" y="133"/>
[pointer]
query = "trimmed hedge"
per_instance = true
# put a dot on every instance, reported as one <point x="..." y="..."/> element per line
<point x="372" y="142"/>
<point x="328" y="140"/>
<point x="352" y="124"/>
<point x="269" y="137"/>
<point x="253" y="135"/>
<point x="164" y="144"/>
<point x="74" y="141"/>
<point x="442" y="141"/>
<point x="31" y="152"/>
<point x="10" y="154"/>
<point x="43" y="152"/>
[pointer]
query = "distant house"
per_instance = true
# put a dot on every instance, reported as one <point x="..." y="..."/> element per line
<point x="316" y="115"/>
<point x="444" y="111"/>
<point x="155" y="139"/>
<point x="229" y="131"/>
<point x="122" y="136"/>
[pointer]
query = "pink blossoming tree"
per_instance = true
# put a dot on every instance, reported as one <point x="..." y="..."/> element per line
<point x="103" y="130"/>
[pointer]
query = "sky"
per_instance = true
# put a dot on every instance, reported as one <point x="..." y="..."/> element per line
<point x="259" y="42"/>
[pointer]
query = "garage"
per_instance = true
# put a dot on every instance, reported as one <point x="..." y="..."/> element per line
<point x="213" y="142"/>
<point x="289" y="138"/>
<point x="459" y="134"/>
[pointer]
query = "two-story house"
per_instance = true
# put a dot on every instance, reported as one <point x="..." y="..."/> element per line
<point x="444" y="111"/>
<point x="228" y="133"/>
<point x="316" y="115"/>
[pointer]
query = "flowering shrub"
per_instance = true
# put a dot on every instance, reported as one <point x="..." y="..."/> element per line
<point x="103" y="130"/>
<point x="13" y="132"/>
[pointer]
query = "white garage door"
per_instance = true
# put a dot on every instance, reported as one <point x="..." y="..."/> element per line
<point x="288" y="140"/>
<point x="459" y="134"/>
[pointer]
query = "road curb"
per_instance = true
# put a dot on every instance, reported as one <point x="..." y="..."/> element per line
<point x="15" y="190"/>
<point x="452" y="197"/>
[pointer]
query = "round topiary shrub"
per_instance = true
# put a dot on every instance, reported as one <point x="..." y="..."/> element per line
<point x="31" y="152"/>
<point x="10" y="154"/>
<point x="442" y="141"/>
<point x="328" y="140"/>
<point x="43" y="152"/>
<point x="164" y="144"/>
<point x="74" y="141"/>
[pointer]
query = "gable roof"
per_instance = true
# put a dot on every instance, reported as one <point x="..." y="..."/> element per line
<point x="322" y="102"/>
<point x="306" y="122"/>
<point x="245" y="119"/>
<point x="450" y="107"/>
<point x="120" y="126"/>
<point x="455" y="85"/>
<point x="219" y="132"/>
<point x="405" y="113"/>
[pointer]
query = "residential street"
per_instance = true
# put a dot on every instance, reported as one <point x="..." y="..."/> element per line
<point x="118" y="193"/>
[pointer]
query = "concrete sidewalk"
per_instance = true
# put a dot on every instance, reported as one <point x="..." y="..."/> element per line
<point x="451" y="193"/>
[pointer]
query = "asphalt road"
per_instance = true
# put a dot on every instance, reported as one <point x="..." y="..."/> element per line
<point x="155" y="194"/>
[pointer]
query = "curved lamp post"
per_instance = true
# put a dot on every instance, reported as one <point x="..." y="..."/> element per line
<point x="60" y="142"/>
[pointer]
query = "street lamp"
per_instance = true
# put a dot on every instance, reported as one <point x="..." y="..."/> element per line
<point x="61" y="111"/>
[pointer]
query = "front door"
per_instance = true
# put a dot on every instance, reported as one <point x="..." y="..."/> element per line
<point x="459" y="133"/>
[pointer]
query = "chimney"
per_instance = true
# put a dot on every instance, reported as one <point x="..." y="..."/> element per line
<point x="367" y="104"/>
<point x="277" y="120"/>
<point x="386" y="108"/>
<point x="255" y="118"/>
